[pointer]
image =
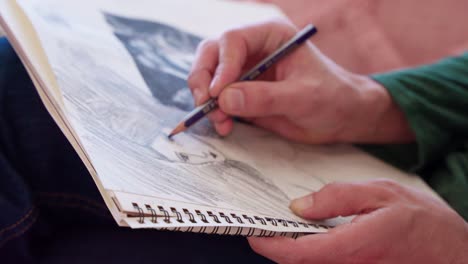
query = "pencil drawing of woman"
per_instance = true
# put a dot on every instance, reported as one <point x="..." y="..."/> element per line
<point x="163" y="56"/>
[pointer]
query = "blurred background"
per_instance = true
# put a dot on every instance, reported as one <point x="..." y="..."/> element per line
<point x="369" y="36"/>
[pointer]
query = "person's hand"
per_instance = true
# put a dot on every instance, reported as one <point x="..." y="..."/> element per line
<point x="394" y="224"/>
<point x="304" y="97"/>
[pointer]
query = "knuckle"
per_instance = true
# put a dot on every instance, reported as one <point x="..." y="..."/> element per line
<point x="197" y="79"/>
<point x="232" y="44"/>
<point x="206" y="44"/>
<point x="332" y="186"/>
<point x="192" y="80"/>
<point x="386" y="189"/>
<point x="394" y="189"/>
<point x="328" y="189"/>
<point x="284" y="25"/>
<point x="388" y="184"/>
<point x="231" y="35"/>
<point x="233" y="52"/>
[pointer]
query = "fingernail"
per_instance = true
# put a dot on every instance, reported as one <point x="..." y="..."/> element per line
<point x="214" y="81"/>
<point x="197" y="96"/>
<point x="234" y="99"/>
<point x="299" y="205"/>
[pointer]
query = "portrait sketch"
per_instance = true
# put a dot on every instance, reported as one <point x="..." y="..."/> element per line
<point x="163" y="56"/>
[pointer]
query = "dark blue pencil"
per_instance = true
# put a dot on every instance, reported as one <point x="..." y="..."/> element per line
<point x="203" y="110"/>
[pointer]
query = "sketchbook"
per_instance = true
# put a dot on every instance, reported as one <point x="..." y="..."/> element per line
<point x="113" y="74"/>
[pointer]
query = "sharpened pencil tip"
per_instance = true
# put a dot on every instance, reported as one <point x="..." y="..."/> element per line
<point x="181" y="127"/>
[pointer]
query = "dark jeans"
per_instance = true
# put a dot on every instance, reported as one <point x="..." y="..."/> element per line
<point x="51" y="210"/>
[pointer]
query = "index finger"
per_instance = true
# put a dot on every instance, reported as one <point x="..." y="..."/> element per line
<point x="237" y="46"/>
<point x="202" y="71"/>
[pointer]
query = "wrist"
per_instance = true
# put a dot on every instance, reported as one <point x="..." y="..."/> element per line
<point x="377" y="118"/>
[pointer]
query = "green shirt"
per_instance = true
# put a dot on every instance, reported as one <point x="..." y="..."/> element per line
<point x="434" y="99"/>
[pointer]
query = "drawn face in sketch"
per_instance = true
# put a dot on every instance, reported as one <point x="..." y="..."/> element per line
<point x="177" y="151"/>
<point x="163" y="56"/>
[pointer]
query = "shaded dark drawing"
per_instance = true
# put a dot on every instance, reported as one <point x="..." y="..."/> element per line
<point x="163" y="55"/>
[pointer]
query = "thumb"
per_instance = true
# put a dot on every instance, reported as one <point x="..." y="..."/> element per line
<point x="342" y="199"/>
<point x="256" y="99"/>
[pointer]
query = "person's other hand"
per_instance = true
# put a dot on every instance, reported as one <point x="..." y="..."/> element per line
<point x="304" y="97"/>
<point x="394" y="224"/>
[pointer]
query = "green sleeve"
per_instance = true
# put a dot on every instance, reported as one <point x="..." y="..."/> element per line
<point x="434" y="99"/>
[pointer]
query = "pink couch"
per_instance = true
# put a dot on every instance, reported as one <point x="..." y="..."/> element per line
<point x="369" y="36"/>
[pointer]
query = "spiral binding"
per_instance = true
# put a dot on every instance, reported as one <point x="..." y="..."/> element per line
<point x="178" y="216"/>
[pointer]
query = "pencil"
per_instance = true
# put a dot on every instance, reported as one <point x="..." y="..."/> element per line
<point x="203" y="110"/>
